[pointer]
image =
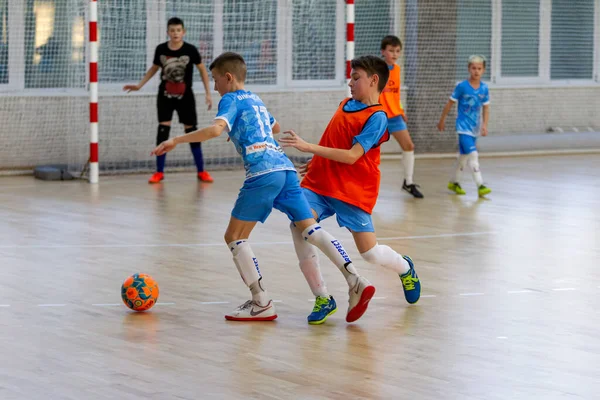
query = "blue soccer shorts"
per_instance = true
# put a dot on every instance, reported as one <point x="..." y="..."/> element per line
<point x="466" y="144"/>
<point x="347" y="215"/>
<point x="396" y="124"/>
<point x="280" y="190"/>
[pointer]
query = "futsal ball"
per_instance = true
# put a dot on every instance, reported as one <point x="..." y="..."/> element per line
<point x="139" y="292"/>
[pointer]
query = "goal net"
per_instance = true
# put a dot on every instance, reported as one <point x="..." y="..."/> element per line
<point x="543" y="63"/>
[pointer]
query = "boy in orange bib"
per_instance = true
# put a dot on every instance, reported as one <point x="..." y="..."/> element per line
<point x="343" y="177"/>
<point x="391" y="47"/>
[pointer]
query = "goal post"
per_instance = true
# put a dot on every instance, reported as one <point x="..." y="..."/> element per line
<point x="94" y="170"/>
<point x="349" y="40"/>
<point x="63" y="64"/>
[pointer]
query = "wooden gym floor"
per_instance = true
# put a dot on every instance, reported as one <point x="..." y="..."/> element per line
<point x="511" y="292"/>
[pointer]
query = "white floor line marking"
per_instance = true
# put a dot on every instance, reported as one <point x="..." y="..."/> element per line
<point x="442" y="235"/>
<point x="117" y="245"/>
<point x="311" y="300"/>
<point x="519" y="291"/>
<point x="502" y="337"/>
<point x="19" y="187"/>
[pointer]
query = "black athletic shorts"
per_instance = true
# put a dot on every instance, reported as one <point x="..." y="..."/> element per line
<point x="185" y="107"/>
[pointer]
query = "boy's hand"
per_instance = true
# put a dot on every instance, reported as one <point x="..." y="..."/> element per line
<point x="404" y="117"/>
<point x="293" y="140"/>
<point x="131" y="88"/>
<point x="164" y="147"/>
<point x="440" y="125"/>
<point x="303" y="169"/>
<point x="484" y="131"/>
<point x="208" y="101"/>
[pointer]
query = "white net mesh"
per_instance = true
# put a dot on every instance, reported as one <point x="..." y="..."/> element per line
<point x="42" y="80"/>
<point x="543" y="62"/>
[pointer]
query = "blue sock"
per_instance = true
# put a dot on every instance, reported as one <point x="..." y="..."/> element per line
<point x="161" y="136"/>
<point x="197" y="152"/>
<point x="160" y="163"/>
<point x="196" y="149"/>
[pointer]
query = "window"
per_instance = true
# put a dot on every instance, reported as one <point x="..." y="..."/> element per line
<point x="3" y="42"/>
<point x="54" y="44"/>
<point x="122" y="39"/>
<point x="474" y="35"/>
<point x="197" y="16"/>
<point x="313" y="39"/>
<point x="520" y="38"/>
<point x="572" y="39"/>
<point x="250" y="29"/>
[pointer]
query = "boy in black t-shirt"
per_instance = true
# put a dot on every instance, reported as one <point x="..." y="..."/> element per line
<point x="176" y="59"/>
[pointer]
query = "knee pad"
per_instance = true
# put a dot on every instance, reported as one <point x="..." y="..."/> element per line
<point x="380" y="255"/>
<point x="304" y="250"/>
<point x="245" y="261"/>
<point x="163" y="134"/>
<point x="462" y="161"/>
<point x="473" y="161"/>
<point x="191" y="129"/>
<point x="373" y="255"/>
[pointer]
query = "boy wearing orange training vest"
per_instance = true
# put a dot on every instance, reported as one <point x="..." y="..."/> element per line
<point x="391" y="47"/>
<point x="343" y="177"/>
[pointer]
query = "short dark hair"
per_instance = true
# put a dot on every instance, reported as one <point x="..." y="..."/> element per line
<point x="175" y="21"/>
<point x="390" y="40"/>
<point x="373" y="66"/>
<point x="230" y="62"/>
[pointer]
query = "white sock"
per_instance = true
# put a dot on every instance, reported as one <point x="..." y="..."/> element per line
<point x="473" y="161"/>
<point x="478" y="178"/>
<point x="385" y="256"/>
<point x="247" y="266"/>
<point x="312" y="273"/>
<point x="333" y="249"/>
<point x="259" y="294"/>
<point x="309" y="263"/>
<point x="408" y="162"/>
<point x="460" y="165"/>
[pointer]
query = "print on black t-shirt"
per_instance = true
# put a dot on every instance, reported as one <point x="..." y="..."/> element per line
<point x="173" y="74"/>
<point x="177" y="69"/>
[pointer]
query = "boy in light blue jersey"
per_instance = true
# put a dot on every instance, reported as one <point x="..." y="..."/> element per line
<point x="473" y="99"/>
<point x="271" y="182"/>
<point x="252" y="137"/>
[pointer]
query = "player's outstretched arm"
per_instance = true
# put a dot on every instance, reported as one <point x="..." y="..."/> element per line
<point x="346" y="156"/>
<point x="447" y="109"/>
<point x="201" y="135"/>
<point x="149" y="74"/>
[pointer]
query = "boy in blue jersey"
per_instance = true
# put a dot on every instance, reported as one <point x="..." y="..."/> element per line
<point x="271" y="182"/>
<point x="473" y="100"/>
